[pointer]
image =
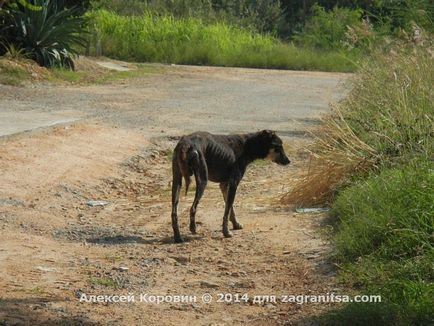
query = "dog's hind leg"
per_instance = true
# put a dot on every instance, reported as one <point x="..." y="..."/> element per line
<point x="201" y="176"/>
<point x="176" y="189"/>
<point x="235" y="224"/>
<point x="230" y="197"/>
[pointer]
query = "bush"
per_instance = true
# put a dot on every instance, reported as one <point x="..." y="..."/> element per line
<point x="405" y="15"/>
<point x="47" y="32"/>
<point x="335" y="29"/>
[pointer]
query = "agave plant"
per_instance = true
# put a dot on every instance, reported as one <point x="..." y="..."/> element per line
<point x="48" y="32"/>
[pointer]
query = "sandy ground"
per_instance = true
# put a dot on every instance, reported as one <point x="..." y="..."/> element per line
<point x="55" y="249"/>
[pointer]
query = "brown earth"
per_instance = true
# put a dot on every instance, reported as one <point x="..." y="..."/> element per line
<point x="54" y="248"/>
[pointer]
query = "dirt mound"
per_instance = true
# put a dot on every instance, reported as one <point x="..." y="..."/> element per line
<point x="16" y="72"/>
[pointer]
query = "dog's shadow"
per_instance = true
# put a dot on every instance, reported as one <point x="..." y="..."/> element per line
<point x="133" y="239"/>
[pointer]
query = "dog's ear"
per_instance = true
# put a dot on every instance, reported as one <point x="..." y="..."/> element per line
<point x="269" y="134"/>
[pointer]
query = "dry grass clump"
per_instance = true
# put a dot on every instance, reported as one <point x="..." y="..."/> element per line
<point x="336" y="154"/>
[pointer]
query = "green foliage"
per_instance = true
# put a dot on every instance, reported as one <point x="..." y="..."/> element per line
<point x="47" y="36"/>
<point x="400" y="15"/>
<point x="191" y="41"/>
<point x="256" y="15"/>
<point x="287" y="18"/>
<point x="391" y="214"/>
<point x="107" y="282"/>
<point x="384" y="241"/>
<point x="335" y="29"/>
<point x="12" y="51"/>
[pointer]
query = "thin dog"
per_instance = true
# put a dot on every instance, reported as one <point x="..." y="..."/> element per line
<point x="222" y="159"/>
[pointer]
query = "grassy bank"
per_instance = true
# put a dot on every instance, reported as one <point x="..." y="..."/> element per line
<point x="373" y="163"/>
<point x="384" y="242"/>
<point x="165" y="39"/>
<point x="21" y="71"/>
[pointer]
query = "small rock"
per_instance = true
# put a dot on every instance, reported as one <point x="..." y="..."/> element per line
<point x="269" y="306"/>
<point x="183" y="260"/>
<point x="247" y="284"/>
<point x="123" y="269"/>
<point x="209" y="285"/>
<point x="95" y="203"/>
<point x="45" y="269"/>
<point x="10" y="202"/>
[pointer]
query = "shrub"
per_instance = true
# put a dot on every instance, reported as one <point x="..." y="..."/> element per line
<point x="47" y="35"/>
<point x="405" y="14"/>
<point x="340" y="28"/>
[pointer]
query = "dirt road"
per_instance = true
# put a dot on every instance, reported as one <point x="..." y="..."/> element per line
<point x="56" y="249"/>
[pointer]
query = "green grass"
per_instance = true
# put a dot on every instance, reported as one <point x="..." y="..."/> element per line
<point x="384" y="243"/>
<point x="391" y="214"/>
<point x="165" y="39"/>
<point x="103" y="281"/>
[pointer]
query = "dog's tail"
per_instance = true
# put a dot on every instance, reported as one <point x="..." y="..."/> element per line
<point x="191" y="161"/>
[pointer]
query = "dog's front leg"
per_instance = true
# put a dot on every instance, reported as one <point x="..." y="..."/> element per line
<point x="232" y="189"/>
<point x="235" y="224"/>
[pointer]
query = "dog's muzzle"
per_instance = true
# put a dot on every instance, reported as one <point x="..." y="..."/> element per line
<point x="284" y="161"/>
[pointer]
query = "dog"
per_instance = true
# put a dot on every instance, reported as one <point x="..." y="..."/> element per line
<point x="222" y="159"/>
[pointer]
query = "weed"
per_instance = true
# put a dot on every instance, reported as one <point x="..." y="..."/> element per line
<point x="103" y="281"/>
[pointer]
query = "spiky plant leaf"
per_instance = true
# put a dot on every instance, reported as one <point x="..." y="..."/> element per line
<point x="49" y="35"/>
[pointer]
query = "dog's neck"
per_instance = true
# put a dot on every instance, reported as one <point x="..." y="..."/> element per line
<point x="255" y="147"/>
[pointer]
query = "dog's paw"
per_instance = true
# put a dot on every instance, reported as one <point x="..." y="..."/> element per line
<point x="227" y="234"/>
<point x="179" y="240"/>
<point x="238" y="226"/>
<point x="193" y="228"/>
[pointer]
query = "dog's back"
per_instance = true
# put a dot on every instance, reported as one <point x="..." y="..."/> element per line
<point x="217" y="152"/>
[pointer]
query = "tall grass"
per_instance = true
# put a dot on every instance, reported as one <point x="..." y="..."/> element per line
<point x="149" y="38"/>
<point x="386" y="119"/>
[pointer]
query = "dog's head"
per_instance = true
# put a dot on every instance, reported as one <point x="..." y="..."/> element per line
<point x="274" y="145"/>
